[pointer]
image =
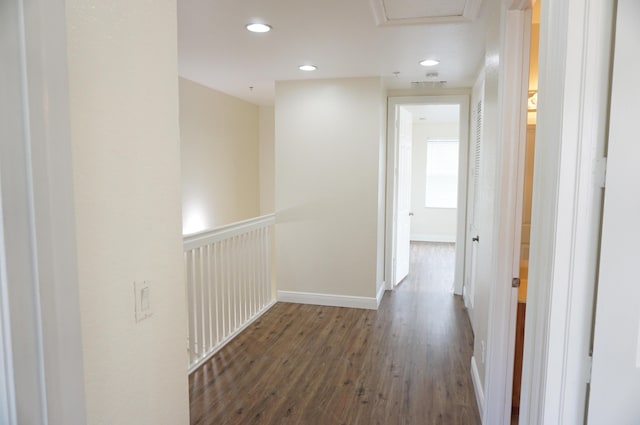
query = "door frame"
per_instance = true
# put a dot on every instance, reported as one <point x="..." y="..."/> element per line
<point x="392" y="183"/>
<point x="37" y="232"/>
<point x="615" y="381"/>
<point x="503" y="299"/>
<point x="571" y="134"/>
<point x="565" y="227"/>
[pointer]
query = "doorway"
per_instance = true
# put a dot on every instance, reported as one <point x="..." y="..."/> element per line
<point x="434" y="172"/>
<point x="527" y="199"/>
<point x="426" y="180"/>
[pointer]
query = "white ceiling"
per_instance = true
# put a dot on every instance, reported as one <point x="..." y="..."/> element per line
<point x="344" y="38"/>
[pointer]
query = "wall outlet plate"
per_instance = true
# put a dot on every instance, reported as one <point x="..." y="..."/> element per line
<point x="142" y="295"/>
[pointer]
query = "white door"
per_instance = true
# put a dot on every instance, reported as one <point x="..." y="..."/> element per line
<point x="403" y="219"/>
<point x="615" y="379"/>
<point x="472" y="211"/>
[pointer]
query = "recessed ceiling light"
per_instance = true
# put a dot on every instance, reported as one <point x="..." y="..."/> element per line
<point x="255" y="27"/>
<point x="307" y="67"/>
<point x="429" y="62"/>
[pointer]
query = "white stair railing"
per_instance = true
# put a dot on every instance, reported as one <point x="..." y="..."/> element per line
<point x="228" y="275"/>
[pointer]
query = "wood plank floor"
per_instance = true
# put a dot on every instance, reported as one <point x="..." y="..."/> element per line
<point x="407" y="363"/>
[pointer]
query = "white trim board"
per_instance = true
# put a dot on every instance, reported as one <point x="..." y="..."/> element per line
<point x="381" y="290"/>
<point x="514" y="65"/>
<point x="571" y="134"/>
<point x="433" y="238"/>
<point x="477" y="386"/>
<point x="331" y="300"/>
<point x="40" y="346"/>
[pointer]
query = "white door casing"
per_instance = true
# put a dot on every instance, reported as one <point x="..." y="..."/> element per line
<point x="403" y="220"/>
<point x="615" y="381"/>
<point x="41" y="371"/>
<point x="507" y="224"/>
<point x="573" y="105"/>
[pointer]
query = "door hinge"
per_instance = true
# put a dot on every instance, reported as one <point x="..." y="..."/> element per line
<point x="589" y="368"/>
<point x="515" y="282"/>
<point x="601" y="172"/>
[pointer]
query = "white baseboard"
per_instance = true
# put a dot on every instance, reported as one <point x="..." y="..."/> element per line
<point x="433" y="238"/>
<point x="380" y="294"/>
<point x="330" y="300"/>
<point x="477" y="386"/>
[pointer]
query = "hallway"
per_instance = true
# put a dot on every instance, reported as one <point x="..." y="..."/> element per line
<point x="407" y="363"/>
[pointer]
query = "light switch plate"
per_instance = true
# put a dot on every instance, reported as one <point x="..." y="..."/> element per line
<point x="144" y="305"/>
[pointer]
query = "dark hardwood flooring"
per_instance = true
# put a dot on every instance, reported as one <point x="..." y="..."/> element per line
<point x="406" y="363"/>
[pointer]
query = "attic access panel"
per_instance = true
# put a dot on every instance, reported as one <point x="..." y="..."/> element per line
<point x="415" y="12"/>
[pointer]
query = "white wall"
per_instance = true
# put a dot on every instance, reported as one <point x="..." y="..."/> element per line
<point x="126" y="162"/>
<point x="429" y="224"/>
<point x="267" y="159"/>
<point x="220" y="158"/>
<point x="382" y="196"/>
<point x="329" y="151"/>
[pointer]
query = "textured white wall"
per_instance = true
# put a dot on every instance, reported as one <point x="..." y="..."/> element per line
<point x="126" y="160"/>
<point x="267" y="159"/>
<point x="328" y="157"/>
<point x="220" y="158"/>
<point x="382" y="192"/>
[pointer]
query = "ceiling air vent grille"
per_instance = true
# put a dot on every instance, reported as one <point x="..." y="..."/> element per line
<point x="428" y="84"/>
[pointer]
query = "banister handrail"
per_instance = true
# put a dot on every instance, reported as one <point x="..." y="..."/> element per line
<point x="227" y="231"/>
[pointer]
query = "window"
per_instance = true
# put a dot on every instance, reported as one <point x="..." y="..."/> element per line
<point x="442" y="173"/>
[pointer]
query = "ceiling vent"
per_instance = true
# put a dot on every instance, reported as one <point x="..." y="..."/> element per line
<point x="428" y="84"/>
<point x="411" y="12"/>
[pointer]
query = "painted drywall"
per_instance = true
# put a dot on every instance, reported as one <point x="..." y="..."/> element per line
<point x="382" y="196"/>
<point x="429" y="224"/>
<point x="329" y="156"/>
<point x="220" y="158"/>
<point x="126" y="162"/>
<point x="267" y="133"/>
